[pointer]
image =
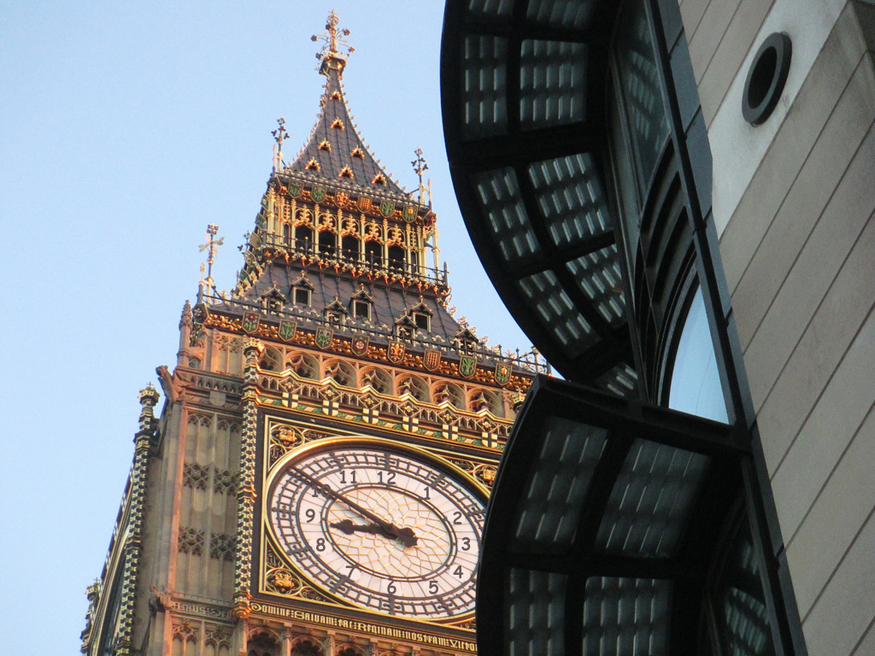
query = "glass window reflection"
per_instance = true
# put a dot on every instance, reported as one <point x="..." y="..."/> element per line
<point x="695" y="381"/>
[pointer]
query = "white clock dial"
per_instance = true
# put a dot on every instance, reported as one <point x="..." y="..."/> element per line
<point x="381" y="527"/>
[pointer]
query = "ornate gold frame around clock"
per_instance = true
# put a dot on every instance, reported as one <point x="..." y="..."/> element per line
<point x="282" y="579"/>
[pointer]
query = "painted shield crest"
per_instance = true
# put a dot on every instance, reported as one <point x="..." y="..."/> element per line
<point x="409" y="213"/>
<point x="250" y="322"/>
<point x="432" y="359"/>
<point x="359" y="345"/>
<point x="467" y="366"/>
<point x="199" y="313"/>
<point x="341" y="198"/>
<point x="396" y="352"/>
<point x="387" y="207"/>
<point x="502" y="373"/>
<point x="295" y="188"/>
<point x="287" y="330"/>
<point x="317" y="193"/>
<point x="364" y="203"/>
<point x="324" y="337"/>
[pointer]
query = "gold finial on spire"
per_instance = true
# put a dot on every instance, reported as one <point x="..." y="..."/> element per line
<point x="279" y="135"/>
<point x="420" y="167"/>
<point x="330" y="56"/>
<point x="211" y="247"/>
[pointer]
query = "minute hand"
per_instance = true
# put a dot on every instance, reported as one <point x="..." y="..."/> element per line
<point x="405" y="535"/>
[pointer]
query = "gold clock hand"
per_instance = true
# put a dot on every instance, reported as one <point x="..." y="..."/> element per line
<point x="405" y="535"/>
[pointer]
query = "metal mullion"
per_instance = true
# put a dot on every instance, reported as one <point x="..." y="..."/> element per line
<point x="691" y="198"/>
<point x="524" y="147"/>
<point x="670" y="427"/>
<point x="630" y="567"/>
<point x="601" y="486"/>
<point x="603" y="356"/>
<point x="782" y="633"/>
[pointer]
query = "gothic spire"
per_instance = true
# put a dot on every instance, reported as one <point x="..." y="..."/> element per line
<point x="335" y="151"/>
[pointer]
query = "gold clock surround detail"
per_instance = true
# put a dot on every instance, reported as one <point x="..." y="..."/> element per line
<point x="287" y="441"/>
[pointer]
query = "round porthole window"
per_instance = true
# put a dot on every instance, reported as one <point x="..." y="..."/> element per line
<point x="766" y="78"/>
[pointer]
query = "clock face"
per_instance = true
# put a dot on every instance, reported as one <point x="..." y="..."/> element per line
<point x="381" y="527"/>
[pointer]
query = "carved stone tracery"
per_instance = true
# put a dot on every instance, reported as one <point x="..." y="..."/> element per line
<point x="184" y="632"/>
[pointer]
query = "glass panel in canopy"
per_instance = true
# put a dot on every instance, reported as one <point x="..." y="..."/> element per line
<point x="557" y="484"/>
<point x="484" y="86"/>
<point x="567" y="14"/>
<point x="535" y="613"/>
<point x="598" y="276"/>
<point x="552" y="83"/>
<point x="651" y="500"/>
<point x="491" y="7"/>
<point x="502" y="204"/>
<point x="549" y="302"/>
<point x="641" y="89"/>
<point x="571" y="198"/>
<point x="625" y="616"/>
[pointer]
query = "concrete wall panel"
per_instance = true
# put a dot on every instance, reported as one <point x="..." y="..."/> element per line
<point x="844" y="309"/>
<point x="691" y="14"/>
<point x="729" y="55"/>
<point x="832" y="524"/>
<point x="791" y="147"/>
<point x="706" y="39"/>
<point x="813" y="188"/>
<point x="843" y="612"/>
<point x="833" y="423"/>
<point x="812" y="274"/>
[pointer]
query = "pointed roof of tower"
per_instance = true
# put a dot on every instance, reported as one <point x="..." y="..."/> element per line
<point x="335" y="151"/>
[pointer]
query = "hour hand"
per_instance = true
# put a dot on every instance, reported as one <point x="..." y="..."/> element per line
<point x="349" y="527"/>
<point x="404" y="534"/>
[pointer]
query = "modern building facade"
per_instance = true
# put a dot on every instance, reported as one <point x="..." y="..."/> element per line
<point x="316" y="482"/>
<point x="675" y="201"/>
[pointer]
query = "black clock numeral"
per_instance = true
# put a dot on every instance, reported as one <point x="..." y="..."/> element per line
<point x="309" y="515"/>
<point x="351" y="476"/>
<point x="457" y="517"/>
<point x="433" y="587"/>
<point x="320" y="544"/>
<point x="391" y="588"/>
<point x="427" y="491"/>
<point x="459" y="572"/>
<point x="390" y="477"/>
<point x="466" y="544"/>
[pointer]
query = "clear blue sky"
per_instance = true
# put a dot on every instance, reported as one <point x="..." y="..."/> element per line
<point x="125" y="128"/>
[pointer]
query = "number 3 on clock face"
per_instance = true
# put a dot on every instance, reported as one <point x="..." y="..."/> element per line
<point x="381" y="527"/>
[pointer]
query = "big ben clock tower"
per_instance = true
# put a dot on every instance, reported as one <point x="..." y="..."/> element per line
<point x="316" y="482"/>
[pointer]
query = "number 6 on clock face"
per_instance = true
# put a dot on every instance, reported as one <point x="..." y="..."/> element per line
<point x="381" y="527"/>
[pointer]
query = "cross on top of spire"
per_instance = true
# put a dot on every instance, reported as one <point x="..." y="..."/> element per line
<point x="333" y="39"/>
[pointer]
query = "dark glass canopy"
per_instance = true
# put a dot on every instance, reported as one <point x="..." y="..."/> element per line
<point x="614" y="526"/>
<point x="602" y="525"/>
<point x="522" y="88"/>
